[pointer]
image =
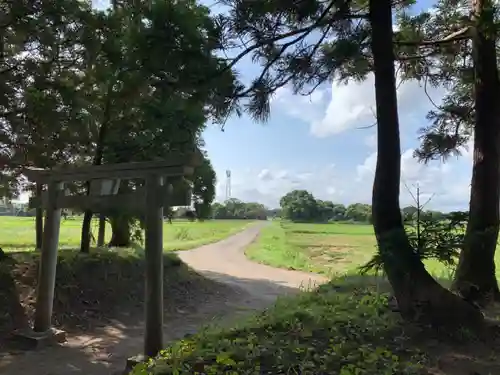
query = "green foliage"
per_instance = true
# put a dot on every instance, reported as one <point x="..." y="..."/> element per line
<point x="441" y="64"/>
<point x="298" y="44"/>
<point x="359" y="212"/>
<point x="43" y="48"/>
<point x="165" y="49"/>
<point x="431" y="237"/>
<point x="204" y="180"/>
<point x="329" y="331"/>
<point x="302" y="206"/>
<point x="235" y="209"/>
<point x="156" y="104"/>
<point x="182" y="234"/>
<point x="302" y="44"/>
<point x="299" y="205"/>
<point x="128" y="80"/>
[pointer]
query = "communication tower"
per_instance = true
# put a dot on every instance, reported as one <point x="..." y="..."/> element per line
<point x="228" y="184"/>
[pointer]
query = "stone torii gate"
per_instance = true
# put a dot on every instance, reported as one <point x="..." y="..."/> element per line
<point x="103" y="197"/>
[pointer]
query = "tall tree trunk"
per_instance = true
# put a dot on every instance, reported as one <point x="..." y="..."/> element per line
<point x="120" y="223"/>
<point x="87" y="216"/>
<point x="120" y="226"/>
<point x="419" y="296"/>
<point x="475" y="278"/>
<point x="86" y="235"/>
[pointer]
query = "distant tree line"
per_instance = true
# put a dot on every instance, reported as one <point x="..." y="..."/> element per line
<point x="302" y="206"/>
<point x="235" y="209"/>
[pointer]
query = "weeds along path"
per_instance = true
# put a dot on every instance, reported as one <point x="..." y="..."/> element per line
<point x="248" y="287"/>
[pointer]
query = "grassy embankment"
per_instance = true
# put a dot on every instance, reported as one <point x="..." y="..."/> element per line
<point x="343" y="328"/>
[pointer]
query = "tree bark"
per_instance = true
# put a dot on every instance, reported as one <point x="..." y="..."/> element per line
<point x="419" y="296"/>
<point x="85" y="238"/>
<point x="475" y="278"/>
<point x="99" y="153"/>
<point x="120" y="226"/>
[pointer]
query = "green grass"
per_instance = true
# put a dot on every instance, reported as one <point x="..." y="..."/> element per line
<point x="345" y="327"/>
<point x="18" y="233"/>
<point x="330" y="249"/>
<point x="335" y="330"/>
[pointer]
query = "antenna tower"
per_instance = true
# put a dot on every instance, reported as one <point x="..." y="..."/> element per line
<point x="228" y="184"/>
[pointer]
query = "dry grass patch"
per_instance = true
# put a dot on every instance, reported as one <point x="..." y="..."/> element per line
<point x="329" y="249"/>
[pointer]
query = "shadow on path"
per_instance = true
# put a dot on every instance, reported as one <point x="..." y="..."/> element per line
<point x="105" y="350"/>
<point x="251" y="287"/>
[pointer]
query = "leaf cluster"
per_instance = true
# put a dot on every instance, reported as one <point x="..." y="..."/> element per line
<point x="67" y="71"/>
<point x="329" y="331"/>
<point x="435" y="47"/>
<point x="431" y="237"/>
<point x="298" y="43"/>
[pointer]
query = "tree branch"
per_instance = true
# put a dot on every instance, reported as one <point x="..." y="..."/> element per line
<point x="461" y="34"/>
<point x="415" y="57"/>
<point x="305" y="31"/>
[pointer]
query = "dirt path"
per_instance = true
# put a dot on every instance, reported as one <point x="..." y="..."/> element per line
<point x="104" y="352"/>
<point x="226" y="262"/>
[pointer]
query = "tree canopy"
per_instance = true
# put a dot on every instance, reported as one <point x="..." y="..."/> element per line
<point x="79" y="86"/>
<point x="236" y="209"/>
<point x="297" y="44"/>
<point x="302" y="206"/>
<point x="76" y="70"/>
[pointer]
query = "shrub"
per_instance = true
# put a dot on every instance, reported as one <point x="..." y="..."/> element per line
<point x="431" y="238"/>
<point x="320" y="332"/>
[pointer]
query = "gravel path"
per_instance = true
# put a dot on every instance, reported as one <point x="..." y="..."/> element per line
<point x="104" y="352"/>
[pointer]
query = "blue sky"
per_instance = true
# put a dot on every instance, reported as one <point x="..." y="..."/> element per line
<point x="315" y="143"/>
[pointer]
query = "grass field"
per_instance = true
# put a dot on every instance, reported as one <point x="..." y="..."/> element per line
<point x="322" y="248"/>
<point x="345" y="327"/>
<point x="331" y="249"/>
<point x="18" y="233"/>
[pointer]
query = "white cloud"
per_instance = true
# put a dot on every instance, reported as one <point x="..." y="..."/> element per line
<point x="345" y="107"/>
<point x="367" y="169"/>
<point x="265" y="174"/>
<point x="433" y="180"/>
<point x="351" y="105"/>
<point x="340" y="108"/>
<point x="371" y="141"/>
<point x="330" y="111"/>
<point x="268" y="185"/>
<point x="305" y="108"/>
